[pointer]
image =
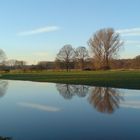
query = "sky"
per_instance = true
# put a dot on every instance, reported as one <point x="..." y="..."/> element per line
<point x="35" y="30"/>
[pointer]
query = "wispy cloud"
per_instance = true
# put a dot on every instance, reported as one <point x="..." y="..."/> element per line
<point x="39" y="30"/>
<point x="132" y="42"/>
<point x="39" y="107"/>
<point x="129" y="32"/>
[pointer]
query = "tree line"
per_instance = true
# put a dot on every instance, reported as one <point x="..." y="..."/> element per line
<point x="104" y="46"/>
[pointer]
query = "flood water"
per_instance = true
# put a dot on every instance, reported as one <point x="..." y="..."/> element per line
<point x="46" y="111"/>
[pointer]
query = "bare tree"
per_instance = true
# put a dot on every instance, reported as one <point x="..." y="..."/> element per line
<point x="105" y="45"/>
<point x="11" y="63"/>
<point x="66" y="55"/>
<point x="20" y="63"/>
<point x="82" y="55"/>
<point x="15" y="64"/>
<point x="42" y="65"/>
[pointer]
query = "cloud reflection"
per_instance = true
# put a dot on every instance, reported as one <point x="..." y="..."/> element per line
<point x="39" y="107"/>
<point x="3" y="87"/>
<point x="131" y="104"/>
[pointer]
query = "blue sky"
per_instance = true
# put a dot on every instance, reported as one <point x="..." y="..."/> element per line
<point x="34" y="30"/>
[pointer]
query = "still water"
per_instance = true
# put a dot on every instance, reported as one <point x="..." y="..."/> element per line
<point x="46" y="111"/>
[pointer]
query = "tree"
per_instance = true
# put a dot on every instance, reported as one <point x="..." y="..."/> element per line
<point x="42" y="65"/>
<point x="136" y="62"/>
<point x="2" y="56"/>
<point x="20" y="64"/>
<point x="66" y="55"/>
<point x="15" y="64"/>
<point x="105" y="45"/>
<point x="82" y="55"/>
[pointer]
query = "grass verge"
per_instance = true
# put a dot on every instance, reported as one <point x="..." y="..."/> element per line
<point x="117" y="79"/>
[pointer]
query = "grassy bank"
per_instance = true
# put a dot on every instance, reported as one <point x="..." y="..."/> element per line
<point x="118" y="79"/>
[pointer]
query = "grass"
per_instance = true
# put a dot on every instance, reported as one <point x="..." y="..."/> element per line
<point x="118" y="79"/>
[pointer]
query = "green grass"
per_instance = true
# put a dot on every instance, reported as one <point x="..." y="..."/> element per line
<point x="118" y="79"/>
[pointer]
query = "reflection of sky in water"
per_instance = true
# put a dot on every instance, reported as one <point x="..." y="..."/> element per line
<point x="39" y="107"/>
<point x="32" y="110"/>
<point x="132" y="99"/>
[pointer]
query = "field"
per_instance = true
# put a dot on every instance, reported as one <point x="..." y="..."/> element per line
<point x="129" y="79"/>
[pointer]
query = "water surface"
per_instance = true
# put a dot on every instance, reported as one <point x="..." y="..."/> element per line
<point x="46" y="111"/>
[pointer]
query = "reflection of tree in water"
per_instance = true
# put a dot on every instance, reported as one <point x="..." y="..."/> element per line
<point x="105" y="100"/>
<point x="68" y="91"/>
<point x="65" y="90"/>
<point x="3" y="87"/>
<point x="81" y="90"/>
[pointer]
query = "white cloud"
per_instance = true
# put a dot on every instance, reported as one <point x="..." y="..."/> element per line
<point x="39" y="30"/>
<point x="129" y="32"/>
<point x="39" y="107"/>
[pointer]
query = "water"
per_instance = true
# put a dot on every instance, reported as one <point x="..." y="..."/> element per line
<point x="46" y="111"/>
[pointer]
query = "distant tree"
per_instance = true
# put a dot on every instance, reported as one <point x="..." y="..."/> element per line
<point x="105" y="45"/>
<point x="59" y="64"/>
<point x="137" y="57"/>
<point x="15" y="64"/>
<point x="81" y="56"/>
<point x="11" y="63"/>
<point x="19" y="64"/>
<point x="66" y="55"/>
<point x="2" y="56"/>
<point x="136" y="61"/>
<point x="42" y="65"/>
